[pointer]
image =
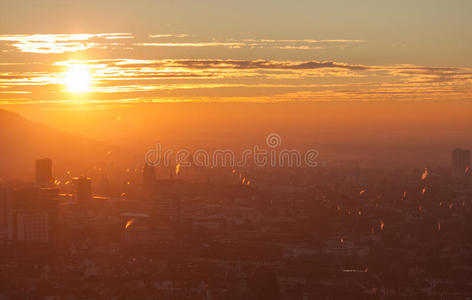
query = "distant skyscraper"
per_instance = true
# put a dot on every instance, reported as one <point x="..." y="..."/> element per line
<point x="149" y="176"/>
<point x="43" y="172"/>
<point x="167" y="202"/>
<point x="167" y="210"/>
<point x="460" y="162"/>
<point x="5" y="207"/>
<point x="82" y="189"/>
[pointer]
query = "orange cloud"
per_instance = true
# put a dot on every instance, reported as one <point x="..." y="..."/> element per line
<point x="58" y="43"/>
<point x="239" y="80"/>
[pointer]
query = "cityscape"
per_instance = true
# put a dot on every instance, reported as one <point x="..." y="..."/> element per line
<point x="340" y="232"/>
<point x="235" y="150"/>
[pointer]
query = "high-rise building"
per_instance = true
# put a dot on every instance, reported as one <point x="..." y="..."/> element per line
<point x="43" y="172"/>
<point x="82" y="189"/>
<point x="25" y="198"/>
<point x="5" y="207"/>
<point x="30" y="226"/>
<point x="460" y="163"/>
<point x="149" y="176"/>
<point x="167" y="210"/>
<point x="33" y="215"/>
<point x="167" y="202"/>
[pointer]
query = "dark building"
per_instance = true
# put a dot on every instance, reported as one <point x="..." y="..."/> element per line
<point x="82" y="189"/>
<point x="167" y="204"/>
<point x="149" y="176"/>
<point x="167" y="210"/>
<point x="5" y="206"/>
<point x="460" y="162"/>
<point x="43" y="172"/>
<point x="264" y="284"/>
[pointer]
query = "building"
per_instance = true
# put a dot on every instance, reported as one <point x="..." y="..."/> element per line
<point x="43" y="172"/>
<point x="167" y="210"/>
<point x="149" y="176"/>
<point x="165" y="196"/>
<point x="30" y="226"/>
<point x="82" y="189"/>
<point x="5" y="206"/>
<point x="33" y="215"/>
<point x="460" y="163"/>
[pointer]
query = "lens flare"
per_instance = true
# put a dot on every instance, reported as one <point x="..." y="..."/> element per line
<point x="129" y="223"/>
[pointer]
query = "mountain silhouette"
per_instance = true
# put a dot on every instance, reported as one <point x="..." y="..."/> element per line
<point x="23" y="141"/>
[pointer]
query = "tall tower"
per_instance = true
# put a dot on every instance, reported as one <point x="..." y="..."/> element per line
<point x="43" y="172"/>
<point x="82" y="189"/>
<point x="460" y="162"/>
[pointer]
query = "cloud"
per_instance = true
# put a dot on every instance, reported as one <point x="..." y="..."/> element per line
<point x="195" y="44"/>
<point x="240" y="64"/>
<point x="308" y="41"/>
<point x="301" y="44"/>
<point x="59" y="43"/>
<point x="245" y="80"/>
<point x="168" y="35"/>
<point x="213" y="79"/>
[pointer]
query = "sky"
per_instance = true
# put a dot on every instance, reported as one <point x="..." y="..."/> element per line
<point x="62" y="53"/>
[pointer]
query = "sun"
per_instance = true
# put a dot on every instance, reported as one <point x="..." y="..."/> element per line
<point x="78" y="79"/>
